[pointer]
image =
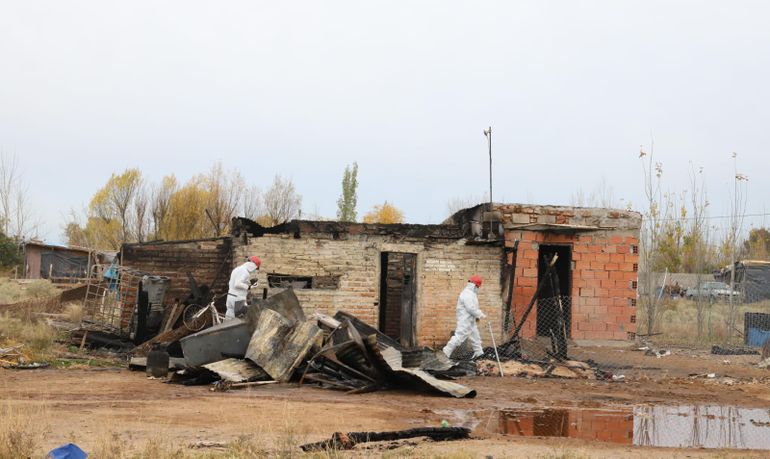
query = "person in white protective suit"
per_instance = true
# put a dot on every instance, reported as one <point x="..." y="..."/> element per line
<point x="468" y="313"/>
<point x="240" y="282"/>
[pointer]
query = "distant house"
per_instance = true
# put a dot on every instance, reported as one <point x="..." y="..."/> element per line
<point x="752" y="279"/>
<point x="46" y="261"/>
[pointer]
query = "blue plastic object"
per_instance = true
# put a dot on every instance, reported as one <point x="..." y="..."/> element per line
<point x="757" y="337"/>
<point x="68" y="451"/>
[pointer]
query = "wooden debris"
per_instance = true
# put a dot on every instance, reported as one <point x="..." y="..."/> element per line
<point x="224" y="386"/>
<point x="163" y="339"/>
<point x="341" y="440"/>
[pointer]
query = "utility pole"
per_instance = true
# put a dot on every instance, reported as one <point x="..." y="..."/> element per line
<point x="488" y="135"/>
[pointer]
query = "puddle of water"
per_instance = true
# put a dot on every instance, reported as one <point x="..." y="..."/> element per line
<point x="670" y="426"/>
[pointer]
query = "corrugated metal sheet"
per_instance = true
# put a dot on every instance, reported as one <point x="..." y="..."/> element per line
<point x="393" y="360"/>
<point x="225" y="340"/>
<point x="278" y="346"/>
<point x="237" y="370"/>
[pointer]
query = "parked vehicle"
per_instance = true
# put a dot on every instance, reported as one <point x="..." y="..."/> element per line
<point x="713" y="291"/>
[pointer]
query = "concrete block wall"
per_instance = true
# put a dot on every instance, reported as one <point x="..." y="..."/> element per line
<point x="604" y="277"/>
<point x="443" y="268"/>
<point x="208" y="260"/>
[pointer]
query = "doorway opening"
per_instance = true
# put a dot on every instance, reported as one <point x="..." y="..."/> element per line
<point x="398" y="291"/>
<point x="554" y="305"/>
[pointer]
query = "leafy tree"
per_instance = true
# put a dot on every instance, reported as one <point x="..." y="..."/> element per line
<point x="160" y="205"/>
<point x="9" y="252"/>
<point x="346" y="204"/>
<point x="757" y="247"/>
<point x="186" y="217"/>
<point x="385" y="213"/>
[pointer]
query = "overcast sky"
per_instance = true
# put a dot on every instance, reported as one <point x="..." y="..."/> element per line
<point x="570" y="88"/>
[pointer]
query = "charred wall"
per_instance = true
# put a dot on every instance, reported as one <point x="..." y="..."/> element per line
<point x="209" y="261"/>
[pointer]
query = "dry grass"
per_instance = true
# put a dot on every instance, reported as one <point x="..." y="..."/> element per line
<point x="679" y="324"/>
<point x="12" y="291"/>
<point x="73" y="311"/>
<point x="20" y="432"/>
<point x="36" y="336"/>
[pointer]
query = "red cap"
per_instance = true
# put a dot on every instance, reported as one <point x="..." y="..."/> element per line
<point x="476" y="279"/>
<point x="255" y="259"/>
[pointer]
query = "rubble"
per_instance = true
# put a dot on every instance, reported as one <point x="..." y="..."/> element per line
<point x="570" y="369"/>
<point x="276" y="342"/>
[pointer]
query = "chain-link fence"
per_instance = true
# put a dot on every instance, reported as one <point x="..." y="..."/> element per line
<point x="542" y="333"/>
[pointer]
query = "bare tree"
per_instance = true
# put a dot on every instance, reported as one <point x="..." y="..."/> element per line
<point x="282" y="203"/>
<point x="224" y="197"/>
<point x="16" y="218"/>
<point x="9" y="178"/>
<point x="737" y="212"/>
<point x="601" y="196"/>
<point x="253" y="208"/>
<point x="697" y="241"/>
<point x="657" y="212"/>
<point x="457" y="204"/>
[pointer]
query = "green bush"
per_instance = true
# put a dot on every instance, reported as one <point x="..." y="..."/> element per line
<point x="10" y="255"/>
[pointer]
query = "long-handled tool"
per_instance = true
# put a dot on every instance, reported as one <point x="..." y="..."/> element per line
<point x="497" y="356"/>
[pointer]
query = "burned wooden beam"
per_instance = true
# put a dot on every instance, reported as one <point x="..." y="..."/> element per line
<point x="341" y="440"/>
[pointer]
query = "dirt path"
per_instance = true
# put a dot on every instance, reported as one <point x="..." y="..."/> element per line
<point x="87" y="406"/>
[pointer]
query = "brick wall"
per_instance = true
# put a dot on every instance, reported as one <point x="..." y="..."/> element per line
<point x="208" y="260"/>
<point x="443" y="268"/>
<point x="605" y="266"/>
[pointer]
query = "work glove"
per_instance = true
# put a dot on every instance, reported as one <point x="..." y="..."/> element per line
<point x="252" y="282"/>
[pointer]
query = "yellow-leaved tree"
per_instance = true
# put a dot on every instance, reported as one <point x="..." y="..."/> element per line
<point x="384" y="213"/>
<point x="110" y="219"/>
<point x="186" y="217"/>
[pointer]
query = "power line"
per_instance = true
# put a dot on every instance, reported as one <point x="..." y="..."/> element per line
<point x="714" y="217"/>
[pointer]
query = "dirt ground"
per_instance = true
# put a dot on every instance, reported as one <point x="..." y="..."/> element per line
<point x="89" y="406"/>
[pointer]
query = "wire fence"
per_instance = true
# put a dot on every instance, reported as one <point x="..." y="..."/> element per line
<point x="540" y="335"/>
<point x="545" y="332"/>
<point x="710" y="313"/>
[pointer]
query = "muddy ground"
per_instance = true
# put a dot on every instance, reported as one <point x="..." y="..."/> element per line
<point x="89" y="406"/>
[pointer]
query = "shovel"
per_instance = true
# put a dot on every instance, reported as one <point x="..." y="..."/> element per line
<point x="497" y="356"/>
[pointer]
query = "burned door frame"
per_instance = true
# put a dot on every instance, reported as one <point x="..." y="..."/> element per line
<point x="408" y="297"/>
<point x="565" y="285"/>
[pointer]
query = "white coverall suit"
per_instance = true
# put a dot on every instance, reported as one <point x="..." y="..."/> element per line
<point x="467" y="313"/>
<point x="238" y="287"/>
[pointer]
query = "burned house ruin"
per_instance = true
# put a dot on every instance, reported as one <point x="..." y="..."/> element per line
<point x="405" y="278"/>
